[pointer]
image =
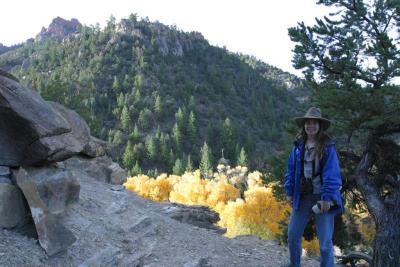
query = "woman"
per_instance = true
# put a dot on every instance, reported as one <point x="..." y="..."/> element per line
<point x="313" y="177"/>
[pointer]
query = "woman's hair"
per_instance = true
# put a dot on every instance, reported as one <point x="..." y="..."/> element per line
<point x="321" y="138"/>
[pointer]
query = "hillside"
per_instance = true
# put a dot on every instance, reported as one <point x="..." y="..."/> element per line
<point x="159" y="93"/>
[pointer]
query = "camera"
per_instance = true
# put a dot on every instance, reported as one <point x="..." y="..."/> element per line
<point x="317" y="207"/>
<point x="306" y="186"/>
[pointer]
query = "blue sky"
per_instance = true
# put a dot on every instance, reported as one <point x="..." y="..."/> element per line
<point x="253" y="27"/>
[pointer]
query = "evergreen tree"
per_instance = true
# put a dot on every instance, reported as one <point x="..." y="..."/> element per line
<point x="205" y="163"/>
<point x="181" y="120"/>
<point x="364" y="102"/>
<point x="126" y="82"/>
<point x="145" y="118"/>
<point x="129" y="157"/>
<point x="151" y="148"/>
<point x="158" y="110"/>
<point x="138" y="83"/>
<point x="125" y="119"/>
<point x="177" y="137"/>
<point x="178" y="167"/>
<point x="192" y="127"/>
<point x="137" y="95"/>
<point x="242" y="159"/>
<point x="164" y="148"/>
<point x="189" y="164"/>
<point x="228" y="138"/>
<point x="135" y="134"/>
<point x="117" y="140"/>
<point x="171" y="157"/>
<point x="116" y="85"/>
<point x="136" y="169"/>
<point x="121" y="100"/>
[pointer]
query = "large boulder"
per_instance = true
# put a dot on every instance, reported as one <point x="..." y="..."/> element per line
<point x="13" y="211"/>
<point x="56" y="187"/>
<point x="101" y="168"/>
<point x="36" y="132"/>
<point x="48" y="192"/>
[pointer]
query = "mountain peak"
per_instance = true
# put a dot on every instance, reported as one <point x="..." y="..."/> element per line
<point x="59" y="28"/>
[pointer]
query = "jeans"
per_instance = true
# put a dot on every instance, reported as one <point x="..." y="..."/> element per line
<point x="324" y="225"/>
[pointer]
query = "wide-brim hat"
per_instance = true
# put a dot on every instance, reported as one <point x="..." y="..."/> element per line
<point x="313" y="113"/>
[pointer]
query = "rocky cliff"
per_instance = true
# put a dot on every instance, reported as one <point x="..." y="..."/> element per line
<point x="59" y="28"/>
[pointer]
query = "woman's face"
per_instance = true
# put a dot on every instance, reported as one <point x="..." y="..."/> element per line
<point x="311" y="126"/>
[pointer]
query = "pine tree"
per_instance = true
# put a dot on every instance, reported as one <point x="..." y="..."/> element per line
<point x="135" y="134"/>
<point x="136" y="169"/>
<point x="192" y="127"/>
<point x="242" y="159"/>
<point x="178" y="167"/>
<point x="164" y="147"/>
<point x="126" y="82"/>
<point x="125" y="119"/>
<point x="116" y="85"/>
<point x="158" y="109"/>
<point x="180" y="118"/>
<point x="151" y="148"/>
<point x="189" y="164"/>
<point x="205" y="163"/>
<point x="350" y="60"/>
<point x="145" y="119"/>
<point x="177" y="137"/>
<point x="228" y="138"/>
<point x="128" y="158"/>
<point x="171" y="157"/>
<point x="117" y="137"/>
<point x="121" y="100"/>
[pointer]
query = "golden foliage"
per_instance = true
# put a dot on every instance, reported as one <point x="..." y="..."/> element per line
<point x="258" y="212"/>
<point x="312" y="247"/>
<point x="367" y="231"/>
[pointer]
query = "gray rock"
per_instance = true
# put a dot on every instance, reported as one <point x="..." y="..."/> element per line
<point x="56" y="187"/>
<point x="5" y="180"/>
<point x="100" y="168"/>
<point x="117" y="175"/>
<point x="200" y="216"/>
<point x="5" y="171"/>
<point x="13" y="211"/>
<point x="53" y="236"/>
<point x="96" y="147"/>
<point x="24" y="119"/>
<point x="36" y="132"/>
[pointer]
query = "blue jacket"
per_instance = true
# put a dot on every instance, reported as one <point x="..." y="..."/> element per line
<point x="332" y="180"/>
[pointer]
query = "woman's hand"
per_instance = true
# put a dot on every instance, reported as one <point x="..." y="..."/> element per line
<point x="289" y="200"/>
<point x="325" y="205"/>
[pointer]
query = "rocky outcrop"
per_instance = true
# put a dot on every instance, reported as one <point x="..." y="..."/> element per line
<point x="47" y="195"/>
<point x="13" y="212"/>
<point x="101" y="168"/>
<point x="39" y="136"/>
<point x="200" y="216"/>
<point x="59" y="28"/>
<point x="36" y="132"/>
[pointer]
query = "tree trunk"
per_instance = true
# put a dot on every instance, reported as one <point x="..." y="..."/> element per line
<point x="387" y="239"/>
<point x="386" y="215"/>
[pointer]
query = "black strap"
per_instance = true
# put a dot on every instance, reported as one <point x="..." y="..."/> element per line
<point x="303" y="148"/>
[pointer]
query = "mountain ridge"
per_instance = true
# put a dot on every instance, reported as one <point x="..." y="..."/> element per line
<point x="121" y="71"/>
